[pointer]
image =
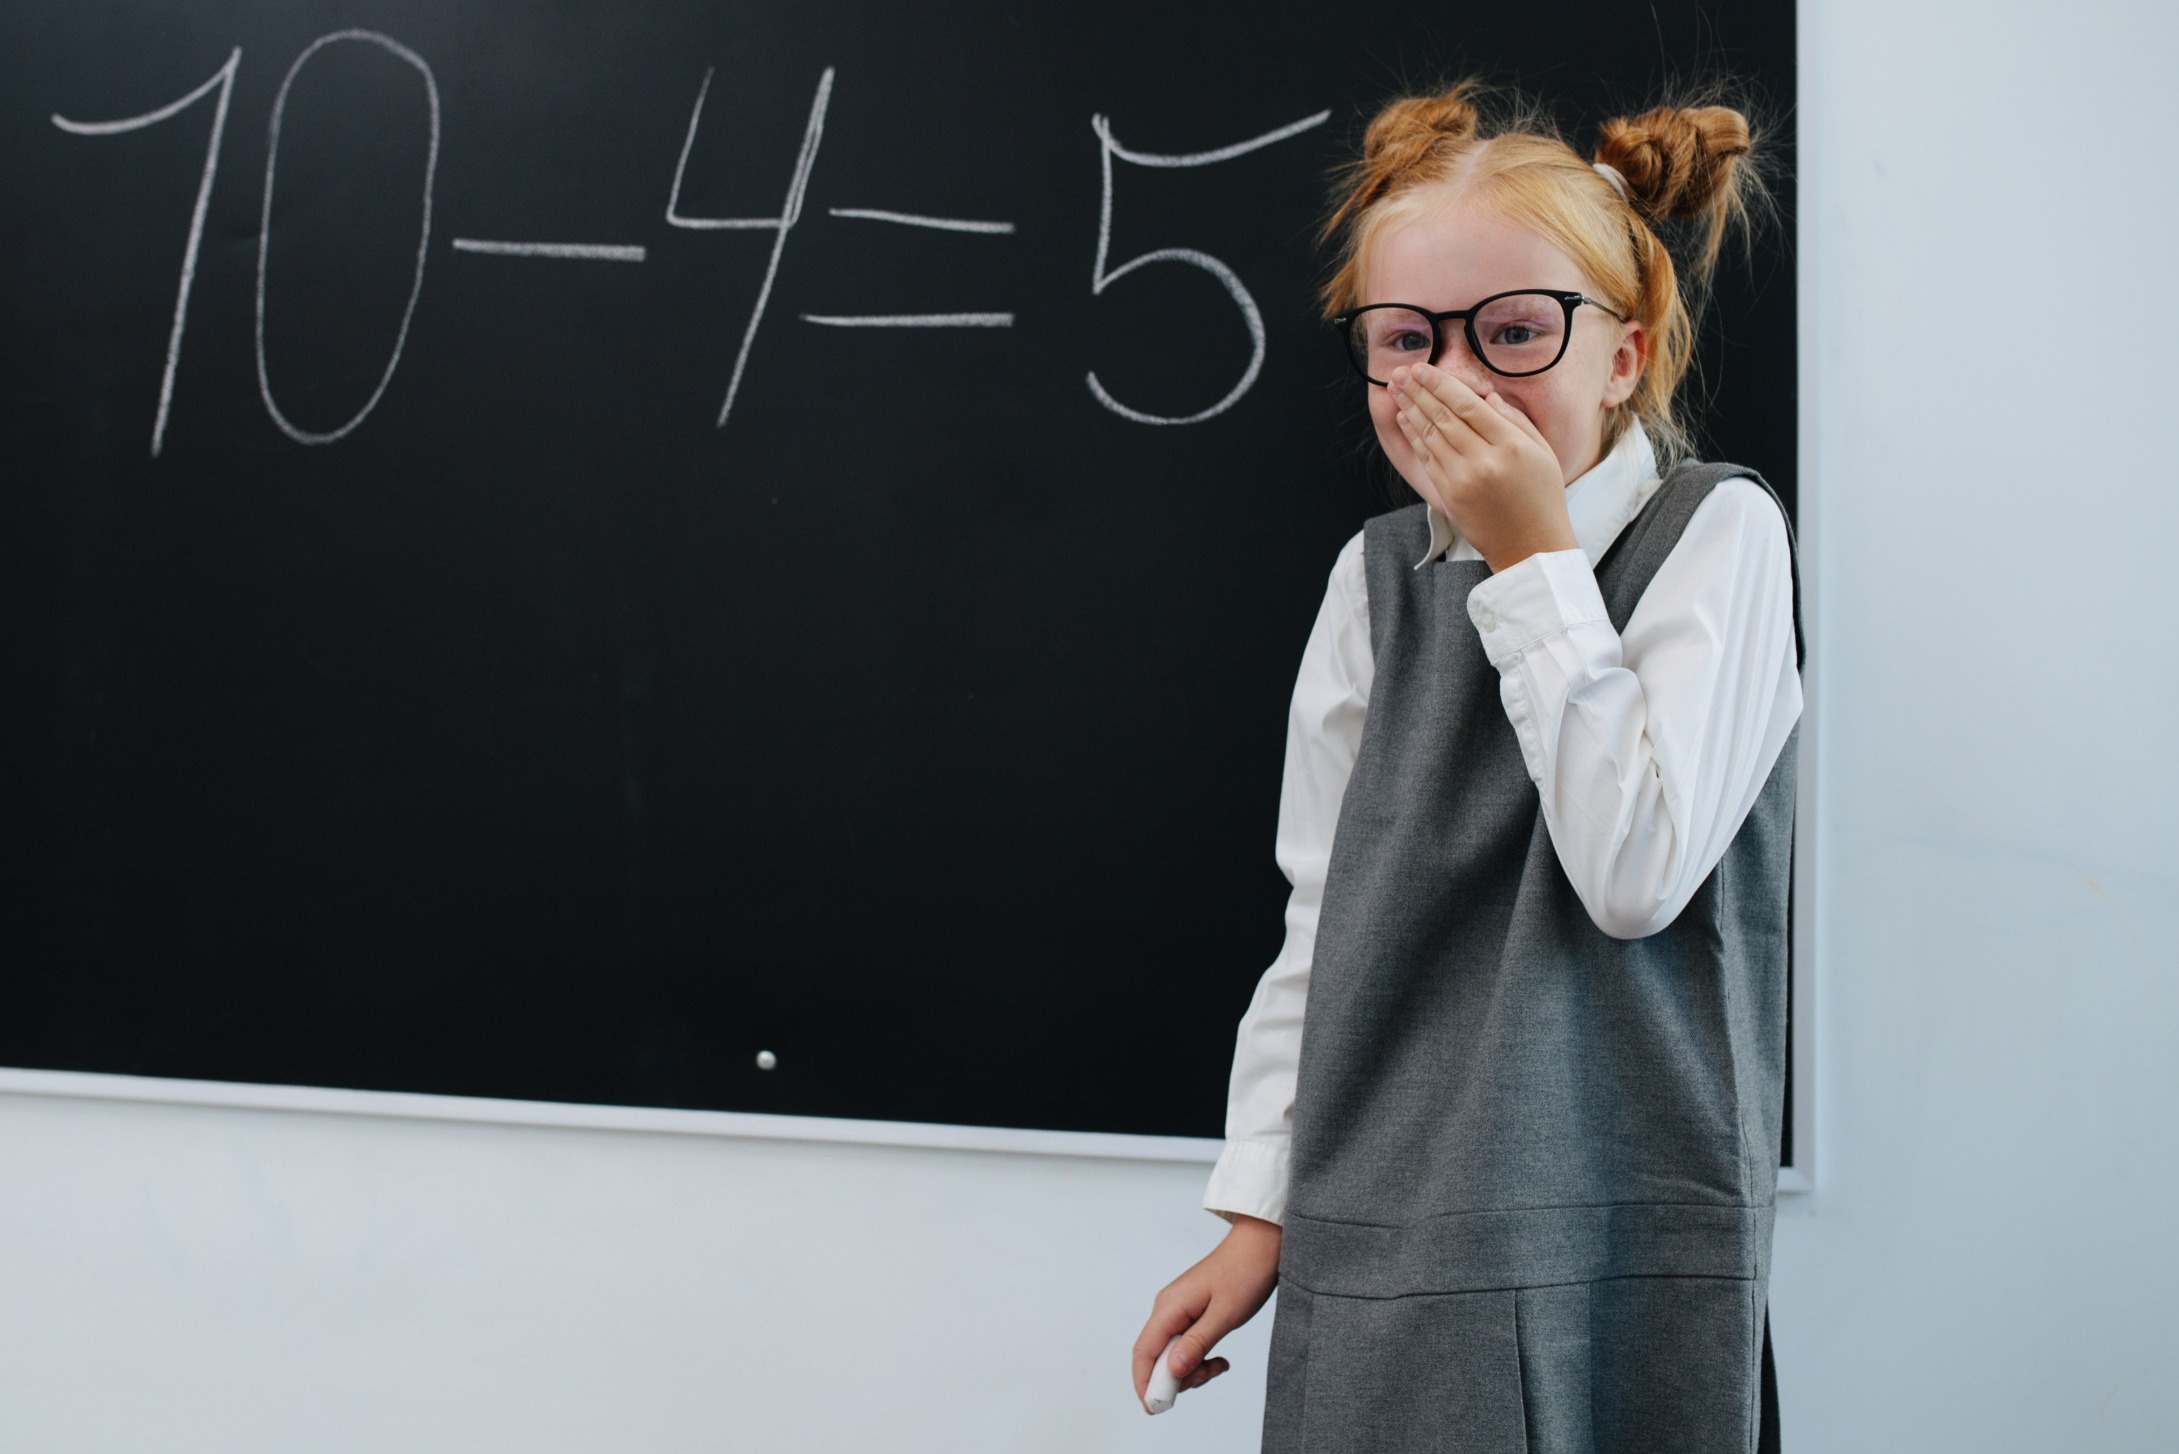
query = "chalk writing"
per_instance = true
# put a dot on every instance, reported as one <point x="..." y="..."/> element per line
<point x="913" y="320"/>
<point x="790" y="213"/>
<point x="223" y="81"/>
<point x="1100" y="279"/>
<point x="604" y="252"/>
<point x="781" y="225"/>
<point x="909" y="219"/>
<point x="264" y="231"/>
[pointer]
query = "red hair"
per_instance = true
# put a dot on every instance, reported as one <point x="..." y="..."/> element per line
<point x="1679" y="164"/>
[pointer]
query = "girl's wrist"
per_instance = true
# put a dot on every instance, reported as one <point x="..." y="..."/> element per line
<point x="1504" y="557"/>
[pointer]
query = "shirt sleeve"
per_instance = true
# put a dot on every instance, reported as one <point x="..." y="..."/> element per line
<point x="1323" y="734"/>
<point x="1648" y="749"/>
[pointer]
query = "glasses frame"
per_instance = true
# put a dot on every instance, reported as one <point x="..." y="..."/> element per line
<point x="1344" y="322"/>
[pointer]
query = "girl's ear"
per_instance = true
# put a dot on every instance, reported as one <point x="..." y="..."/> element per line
<point x="1627" y="361"/>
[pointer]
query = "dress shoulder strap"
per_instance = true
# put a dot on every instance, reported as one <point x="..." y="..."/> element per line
<point x="1633" y="560"/>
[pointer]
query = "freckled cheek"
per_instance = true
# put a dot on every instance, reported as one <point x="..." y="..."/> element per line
<point x="1386" y="416"/>
<point x="1526" y="401"/>
<point x="1544" y="411"/>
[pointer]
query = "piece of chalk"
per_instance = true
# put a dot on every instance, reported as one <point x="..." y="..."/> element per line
<point x="1164" y="1388"/>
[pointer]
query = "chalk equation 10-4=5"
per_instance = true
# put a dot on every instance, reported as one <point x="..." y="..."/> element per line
<point x="218" y="91"/>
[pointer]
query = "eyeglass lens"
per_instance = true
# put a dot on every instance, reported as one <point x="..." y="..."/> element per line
<point x="1521" y="333"/>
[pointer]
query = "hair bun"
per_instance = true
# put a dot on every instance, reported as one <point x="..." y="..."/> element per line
<point x="1678" y="160"/>
<point x="1400" y="139"/>
<point x="1404" y="132"/>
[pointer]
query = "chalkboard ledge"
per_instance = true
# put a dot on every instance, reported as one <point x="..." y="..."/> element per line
<point x="404" y="1105"/>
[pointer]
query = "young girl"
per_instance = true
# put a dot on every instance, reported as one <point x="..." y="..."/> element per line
<point x="1514" y="1180"/>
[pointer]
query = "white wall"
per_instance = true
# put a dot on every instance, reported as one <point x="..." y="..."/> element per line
<point x="177" y="1279"/>
<point x="1988" y="1261"/>
<point x="1991" y="1259"/>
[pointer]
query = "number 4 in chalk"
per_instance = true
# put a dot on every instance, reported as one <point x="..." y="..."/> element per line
<point x="790" y="212"/>
<point x="222" y="81"/>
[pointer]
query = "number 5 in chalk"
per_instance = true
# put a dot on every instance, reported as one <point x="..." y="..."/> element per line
<point x="1100" y="279"/>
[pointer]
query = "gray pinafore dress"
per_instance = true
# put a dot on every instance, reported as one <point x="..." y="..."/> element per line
<point x="1533" y="1165"/>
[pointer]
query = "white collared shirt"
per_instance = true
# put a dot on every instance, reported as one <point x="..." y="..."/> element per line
<point x="1647" y="748"/>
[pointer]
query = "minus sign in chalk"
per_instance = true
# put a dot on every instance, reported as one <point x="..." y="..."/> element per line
<point x="604" y="252"/>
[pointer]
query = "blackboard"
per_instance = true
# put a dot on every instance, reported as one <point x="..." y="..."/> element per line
<point x="551" y="549"/>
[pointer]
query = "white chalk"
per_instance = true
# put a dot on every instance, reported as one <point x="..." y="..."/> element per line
<point x="911" y="219"/>
<point x="401" y="52"/>
<point x="912" y="320"/>
<point x="224" y="80"/>
<point x="790" y="212"/>
<point x="1164" y="1387"/>
<point x="604" y="252"/>
<point x="1102" y="278"/>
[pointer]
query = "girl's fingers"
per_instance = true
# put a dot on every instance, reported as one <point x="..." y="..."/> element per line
<point x="1210" y="1370"/>
<point x="1454" y="396"/>
<point x="1518" y="419"/>
<point x="1196" y="1343"/>
<point x="1445" y="443"/>
<point x="1412" y="424"/>
<point x="1443" y="468"/>
<point x="1432" y="414"/>
<point x="1167" y="1319"/>
<point x="1432" y="455"/>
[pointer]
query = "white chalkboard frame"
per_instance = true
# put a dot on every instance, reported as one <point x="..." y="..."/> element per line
<point x="1797" y="1176"/>
<point x="654" y="1120"/>
<point x="1798" y="1173"/>
<point x="650" y="1120"/>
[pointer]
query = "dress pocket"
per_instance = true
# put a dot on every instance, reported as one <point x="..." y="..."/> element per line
<point x="1425" y="1374"/>
<point x="1556" y="1372"/>
<point x="1640" y="1364"/>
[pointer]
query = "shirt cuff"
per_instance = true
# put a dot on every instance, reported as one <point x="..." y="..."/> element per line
<point x="1249" y="1180"/>
<point x="1533" y="601"/>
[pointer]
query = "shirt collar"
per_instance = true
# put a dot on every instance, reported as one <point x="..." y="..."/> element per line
<point x="1599" y="502"/>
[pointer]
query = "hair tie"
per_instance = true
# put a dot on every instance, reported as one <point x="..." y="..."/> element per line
<point x="1611" y="174"/>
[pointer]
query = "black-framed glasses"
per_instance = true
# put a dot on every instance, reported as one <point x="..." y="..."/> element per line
<point x="1514" y="334"/>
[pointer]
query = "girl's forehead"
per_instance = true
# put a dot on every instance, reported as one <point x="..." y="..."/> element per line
<point x="1447" y="254"/>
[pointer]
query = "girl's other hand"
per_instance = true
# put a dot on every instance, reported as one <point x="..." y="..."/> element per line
<point x="1207" y="1302"/>
<point x="1491" y="472"/>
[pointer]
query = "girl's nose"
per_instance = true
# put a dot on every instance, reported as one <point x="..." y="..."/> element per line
<point x="1460" y="361"/>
